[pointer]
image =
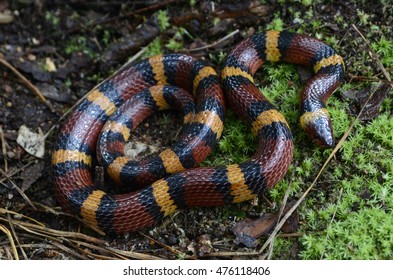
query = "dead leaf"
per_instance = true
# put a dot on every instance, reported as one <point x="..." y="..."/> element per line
<point x="144" y="34"/>
<point x="136" y="150"/>
<point x="33" y="68"/>
<point x="6" y="17"/>
<point x="247" y="231"/>
<point x="77" y="61"/>
<point x="57" y="93"/>
<point x="191" y="247"/>
<point x="204" y="245"/>
<point x="242" y="8"/>
<point x="50" y="65"/>
<point x="33" y="143"/>
<point x="379" y="91"/>
<point x="30" y="174"/>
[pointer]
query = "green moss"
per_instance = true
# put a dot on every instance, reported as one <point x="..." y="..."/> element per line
<point x="154" y="48"/>
<point x="79" y="44"/>
<point x="380" y="129"/>
<point x="106" y="38"/>
<point x="52" y="18"/>
<point x="338" y="111"/>
<point x="163" y="20"/>
<point x="276" y="24"/>
<point x="366" y="234"/>
<point x="236" y="145"/>
<point x="305" y="168"/>
<point x="363" y="17"/>
<point x="307" y="3"/>
<point x="174" y="45"/>
<point x="384" y="48"/>
<point x="282" y="248"/>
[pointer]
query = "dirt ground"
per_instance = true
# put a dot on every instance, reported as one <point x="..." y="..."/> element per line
<point x="62" y="49"/>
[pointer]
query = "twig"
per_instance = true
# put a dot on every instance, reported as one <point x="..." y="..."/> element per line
<point x="58" y="242"/>
<point x="11" y="239"/>
<point x="67" y="250"/>
<point x="9" y="212"/>
<point x="13" y="172"/>
<point x="97" y="248"/>
<point x="76" y="241"/>
<point x="25" y="197"/>
<point x="134" y="255"/>
<point x="56" y="233"/>
<point x="37" y="245"/>
<point x="48" y="209"/>
<point x="231" y="254"/>
<point x="3" y="148"/>
<point x="102" y="257"/>
<point x="15" y="236"/>
<point x="373" y="55"/>
<point x="289" y="235"/>
<point x="283" y="204"/>
<point x="169" y="248"/>
<point x="368" y="79"/>
<point x="332" y="219"/>
<point x="214" y="43"/>
<point x="32" y="87"/>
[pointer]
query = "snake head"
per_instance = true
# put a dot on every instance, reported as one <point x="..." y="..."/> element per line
<point x="319" y="128"/>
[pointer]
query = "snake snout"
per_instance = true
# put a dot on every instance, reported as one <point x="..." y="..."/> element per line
<point x="321" y="131"/>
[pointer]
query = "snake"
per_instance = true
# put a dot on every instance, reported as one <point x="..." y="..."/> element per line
<point x="172" y="179"/>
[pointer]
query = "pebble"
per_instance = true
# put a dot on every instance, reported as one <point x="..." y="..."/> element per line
<point x="11" y="154"/>
<point x="172" y="240"/>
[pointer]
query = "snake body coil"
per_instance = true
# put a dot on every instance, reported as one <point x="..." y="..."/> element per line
<point x="171" y="184"/>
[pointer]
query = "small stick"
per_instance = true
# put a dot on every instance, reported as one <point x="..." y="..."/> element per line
<point x="79" y="244"/>
<point x="11" y="239"/>
<point x="230" y="254"/>
<point x="169" y="248"/>
<point x="12" y="228"/>
<point x="25" y="197"/>
<point x="9" y="212"/>
<point x="368" y="79"/>
<point x="332" y="219"/>
<point x="233" y="33"/>
<point x="54" y="232"/>
<point x="32" y="87"/>
<point x="4" y="148"/>
<point x="134" y="255"/>
<point x="374" y="55"/>
<point x="283" y="204"/>
<point x="14" y="171"/>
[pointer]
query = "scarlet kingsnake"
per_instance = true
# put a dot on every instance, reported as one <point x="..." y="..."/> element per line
<point x="172" y="180"/>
